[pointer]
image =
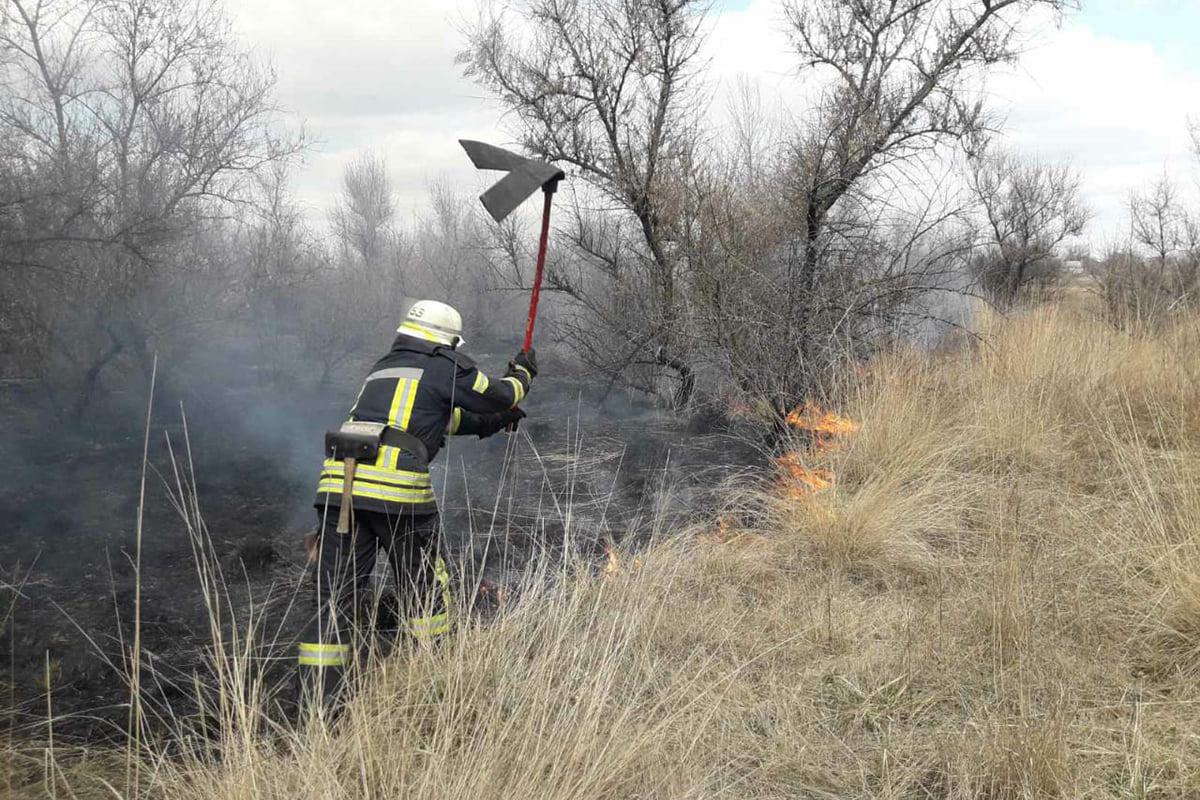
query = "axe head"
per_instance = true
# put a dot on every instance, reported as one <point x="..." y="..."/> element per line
<point x="525" y="176"/>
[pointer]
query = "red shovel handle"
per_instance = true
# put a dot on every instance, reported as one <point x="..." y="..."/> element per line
<point x="548" y="193"/>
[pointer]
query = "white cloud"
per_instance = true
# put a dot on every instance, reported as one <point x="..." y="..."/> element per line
<point x="752" y="41"/>
<point x="379" y="75"/>
<point x="372" y="75"/>
<point x="1116" y="108"/>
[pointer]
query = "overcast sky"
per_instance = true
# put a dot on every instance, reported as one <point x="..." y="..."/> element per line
<point x="1112" y="89"/>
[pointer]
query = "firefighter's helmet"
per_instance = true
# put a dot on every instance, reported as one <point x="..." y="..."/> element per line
<point x="434" y="322"/>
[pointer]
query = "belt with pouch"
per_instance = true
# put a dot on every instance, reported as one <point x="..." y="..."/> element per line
<point x="358" y="441"/>
<point x="394" y="437"/>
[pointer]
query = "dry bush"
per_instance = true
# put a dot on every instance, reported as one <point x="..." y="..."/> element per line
<point x="1030" y="208"/>
<point x="1142" y="295"/>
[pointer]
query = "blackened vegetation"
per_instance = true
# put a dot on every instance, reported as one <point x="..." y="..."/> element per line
<point x="581" y="472"/>
<point x="73" y="501"/>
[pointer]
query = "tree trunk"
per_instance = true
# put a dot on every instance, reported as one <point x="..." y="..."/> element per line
<point x="687" y="377"/>
<point x="91" y="379"/>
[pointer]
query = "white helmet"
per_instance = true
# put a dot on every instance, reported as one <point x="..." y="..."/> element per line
<point x="433" y="322"/>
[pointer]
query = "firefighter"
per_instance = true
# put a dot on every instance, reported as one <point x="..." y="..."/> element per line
<point x="424" y="388"/>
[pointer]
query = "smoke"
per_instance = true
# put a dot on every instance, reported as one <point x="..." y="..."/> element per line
<point x="588" y="464"/>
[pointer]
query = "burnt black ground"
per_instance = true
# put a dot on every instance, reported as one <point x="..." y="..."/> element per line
<point x="70" y="496"/>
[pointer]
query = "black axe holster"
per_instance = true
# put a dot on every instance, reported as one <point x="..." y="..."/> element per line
<point x="350" y="444"/>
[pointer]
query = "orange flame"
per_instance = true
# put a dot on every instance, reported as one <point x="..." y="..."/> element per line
<point x="797" y="481"/>
<point x="811" y="417"/>
<point x="728" y="535"/>
<point x="826" y="427"/>
<point x="612" y="567"/>
<point x="721" y="535"/>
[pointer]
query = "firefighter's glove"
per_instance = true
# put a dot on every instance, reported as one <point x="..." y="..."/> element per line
<point x="485" y="425"/>
<point x="509" y="420"/>
<point x="525" y="360"/>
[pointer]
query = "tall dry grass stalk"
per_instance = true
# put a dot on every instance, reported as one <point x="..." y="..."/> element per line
<point x="998" y="597"/>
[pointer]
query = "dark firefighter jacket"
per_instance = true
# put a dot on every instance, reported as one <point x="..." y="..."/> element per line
<point x="428" y="390"/>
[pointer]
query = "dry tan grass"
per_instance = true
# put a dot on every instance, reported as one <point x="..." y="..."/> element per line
<point x="999" y="597"/>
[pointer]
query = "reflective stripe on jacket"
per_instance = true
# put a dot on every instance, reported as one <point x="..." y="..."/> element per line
<point x="428" y="390"/>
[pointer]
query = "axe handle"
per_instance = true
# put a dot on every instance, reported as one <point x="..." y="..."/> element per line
<point x="347" y="508"/>
<point x="548" y="193"/>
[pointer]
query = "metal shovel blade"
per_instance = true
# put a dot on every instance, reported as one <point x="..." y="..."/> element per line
<point x="515" y="187"/>
<point x="525" y="176"/>
<point x="488" y="156"/>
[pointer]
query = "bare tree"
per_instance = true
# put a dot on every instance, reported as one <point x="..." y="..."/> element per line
<point x="363" y="217"/>
<point x="450" y="261"/>
<point x="902" y="79"/>
<point x="282" y="265"/>
<point x="359" y="290"/>
<point x="608" y="89"/>
<point x="1029" y="207"/>
<point x="691" y="275"/>
<point x="1159" y="222"/>
<point x="133" y="126"/>
<point x="891" y="272"/>
<point x="1158" y="272"/>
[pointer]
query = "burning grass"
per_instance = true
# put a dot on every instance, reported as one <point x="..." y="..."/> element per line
<point x="818" y="432"/>
<point x="993" y="596"/>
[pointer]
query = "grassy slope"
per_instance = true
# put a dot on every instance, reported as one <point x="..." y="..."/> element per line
<point x="999" y="597"/>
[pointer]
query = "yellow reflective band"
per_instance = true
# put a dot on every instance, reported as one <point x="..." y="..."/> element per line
<point x="455" y="420"/>
<point x="402" y="403"/>
<point x="313" y="654"/>
<point x="378" y="482"/>
<point x="442" y="575"/>
<point x="428" y="627"/>
<point x="481" y="383"/>
<point x="336" y="469"/>
<point x="371" y="483"/>
<point x="398" y="417"/>
<point x="431" y="621"/>
<point x="389" y="458"/>
<point x="406" y="373"/>
<point x="406" y="412"/>
<point x="371" y="491"/>
<point x="435" y="624"/>
<point x="319" y="661"/>
<point x="397" y="399"/>
<point x="413" y="329"/>
<point x="528" y="374"/>
<point x="518" y="389"/>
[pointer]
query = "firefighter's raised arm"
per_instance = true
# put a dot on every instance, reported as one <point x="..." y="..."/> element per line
<point x="475" y="392"/>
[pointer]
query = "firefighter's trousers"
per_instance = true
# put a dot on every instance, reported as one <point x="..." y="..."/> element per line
<point x="346" y="607"/>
